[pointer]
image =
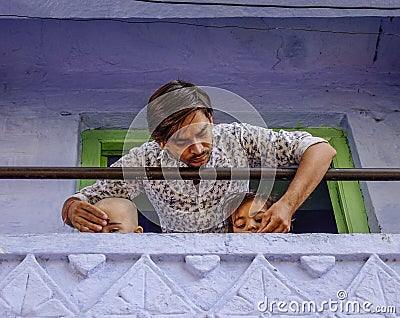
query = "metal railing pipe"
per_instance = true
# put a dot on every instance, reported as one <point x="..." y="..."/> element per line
<point x="157" y="173"/>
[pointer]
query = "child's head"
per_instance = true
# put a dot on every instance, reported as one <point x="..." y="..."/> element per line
<point x="122" y="214"/>
<point x="247" y="217"/>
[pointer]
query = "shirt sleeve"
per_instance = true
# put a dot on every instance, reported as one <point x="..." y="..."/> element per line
<point x="128" y="189"/>
<point x="265" y="147"/>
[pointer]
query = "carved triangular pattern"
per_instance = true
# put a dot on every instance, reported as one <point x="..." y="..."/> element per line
<point x="28" y="291"/>
<point x="144" y="290"/>
<point x="377" y="284"/>
<point x="259" y="281"/>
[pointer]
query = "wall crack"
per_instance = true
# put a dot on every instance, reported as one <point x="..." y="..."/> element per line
<point x="378" y="40"/>
<point x="277" y="55"/>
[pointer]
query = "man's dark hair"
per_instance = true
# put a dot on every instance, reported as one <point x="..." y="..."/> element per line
<point x="171" y="104"/>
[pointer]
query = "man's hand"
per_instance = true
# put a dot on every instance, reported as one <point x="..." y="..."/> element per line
<point x="86" y="217"/>
<point x="312" y="167"/>
<point x="277" y="219"/>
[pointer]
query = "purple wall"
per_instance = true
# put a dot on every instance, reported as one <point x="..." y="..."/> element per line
<point x="70" y="55"/>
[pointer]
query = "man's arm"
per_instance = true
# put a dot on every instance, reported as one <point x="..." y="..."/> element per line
<point x="86" y="217"/>
<point x="313" y="165"/>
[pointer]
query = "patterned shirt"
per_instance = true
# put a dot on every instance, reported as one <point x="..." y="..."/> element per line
<point x="184" y="207"/>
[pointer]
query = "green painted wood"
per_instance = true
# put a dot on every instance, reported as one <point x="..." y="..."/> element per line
<point x="348" y="192"/>
<point x="322" y="132"/>
<point x="90" y="155"/>
<point x="103" y="160"/>
<point x="337" y="207"/>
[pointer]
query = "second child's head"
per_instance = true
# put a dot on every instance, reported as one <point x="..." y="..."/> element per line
<point x="248" y="216"/>
<point x="122" y="214"/>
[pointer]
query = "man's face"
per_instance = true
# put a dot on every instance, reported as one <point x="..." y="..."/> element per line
<point x="247" y="218"/>
<point x="192" y="142"/>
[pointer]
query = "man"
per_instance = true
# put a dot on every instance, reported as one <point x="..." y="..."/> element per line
<point x="179" y="116"/>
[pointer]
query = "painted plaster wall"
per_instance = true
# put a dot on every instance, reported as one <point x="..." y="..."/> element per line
<point x="71" y="55"/>
<point x="147" y="9"/>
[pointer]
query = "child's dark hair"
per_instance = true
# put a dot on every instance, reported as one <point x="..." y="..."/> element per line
<point x="232" y="204"/>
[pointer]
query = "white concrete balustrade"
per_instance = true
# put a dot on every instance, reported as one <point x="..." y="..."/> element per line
<point x="198" y="275"/>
